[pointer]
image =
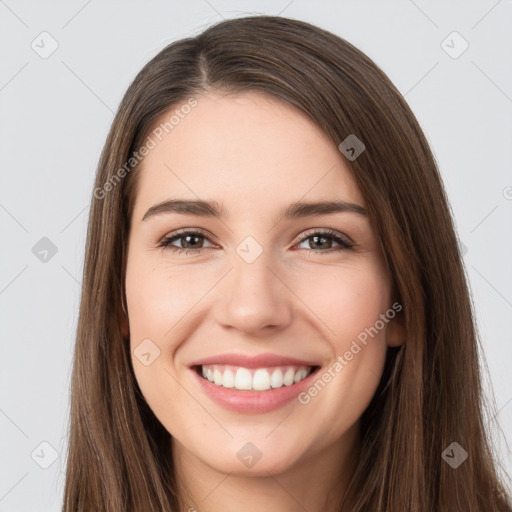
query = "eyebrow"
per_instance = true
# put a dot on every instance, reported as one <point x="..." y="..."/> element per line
<point x="203" y="208"/>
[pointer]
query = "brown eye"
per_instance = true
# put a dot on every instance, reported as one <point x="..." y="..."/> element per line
<point x="191" y="241"/>
<point x="321" y="242"/>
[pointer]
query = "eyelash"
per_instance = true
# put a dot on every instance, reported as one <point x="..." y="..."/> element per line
<point x="344" y="243"/>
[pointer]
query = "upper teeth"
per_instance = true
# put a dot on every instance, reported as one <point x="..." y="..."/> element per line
<point x="258" y="379"/>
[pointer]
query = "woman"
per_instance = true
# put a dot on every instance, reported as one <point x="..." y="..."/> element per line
<point x="274" y="312"/>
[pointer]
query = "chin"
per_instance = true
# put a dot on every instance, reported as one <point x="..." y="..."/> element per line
<point x="254" y="459"/>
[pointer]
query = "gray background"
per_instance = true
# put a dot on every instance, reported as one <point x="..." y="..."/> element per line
<point x="55" y="113"/>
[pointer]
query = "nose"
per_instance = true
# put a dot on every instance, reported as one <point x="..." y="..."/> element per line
<point x="254" y="298"/>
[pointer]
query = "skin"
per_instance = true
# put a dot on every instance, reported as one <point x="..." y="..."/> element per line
<point x="255" y="155"/>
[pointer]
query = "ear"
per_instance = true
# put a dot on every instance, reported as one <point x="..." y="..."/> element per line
<point x="396" y="333"/>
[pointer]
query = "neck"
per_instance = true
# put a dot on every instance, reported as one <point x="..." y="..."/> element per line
<point x="316" y="482"/>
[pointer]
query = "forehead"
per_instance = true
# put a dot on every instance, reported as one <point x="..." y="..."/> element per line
<point x="249" y="150"/>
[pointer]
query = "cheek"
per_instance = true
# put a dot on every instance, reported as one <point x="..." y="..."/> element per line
<point x="346" y="300"/>
<point x="151" y="307"/>
<point x="161" y="301"/>
<point x="155" y="308"/>
<point x="349" y="304"/>
<point x="158" y="298"/>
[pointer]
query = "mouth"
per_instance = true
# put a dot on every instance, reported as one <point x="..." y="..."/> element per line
<point x="253" y="384"/>
<point x="254" y="379"/>
<point x="253" y="390"/>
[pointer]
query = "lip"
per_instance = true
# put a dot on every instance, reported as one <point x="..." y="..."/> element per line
<point x="252" y="402"/>
<point x="266" y="360"/>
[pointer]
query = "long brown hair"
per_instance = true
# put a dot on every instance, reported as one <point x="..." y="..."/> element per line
<point x="430" y="394"/>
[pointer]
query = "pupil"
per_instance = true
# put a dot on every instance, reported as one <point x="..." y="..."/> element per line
<point x="190" y="236"/>
<point x="316" y="238"/>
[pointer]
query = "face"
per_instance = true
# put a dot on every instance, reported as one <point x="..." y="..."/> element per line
<point x="289" y="315"/>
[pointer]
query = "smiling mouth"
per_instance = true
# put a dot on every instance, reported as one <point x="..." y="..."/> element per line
<point x="254" y="379"/>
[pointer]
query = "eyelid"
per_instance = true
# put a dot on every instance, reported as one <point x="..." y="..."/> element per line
<point x="305" y="235"/>
<point x="188" y="231"/>
<point x="344" y="241"/>
<point x="326" y="231"/>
